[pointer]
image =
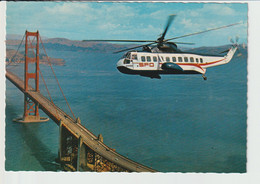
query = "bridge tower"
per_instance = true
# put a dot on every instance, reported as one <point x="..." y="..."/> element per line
<point x="31" y="108"/>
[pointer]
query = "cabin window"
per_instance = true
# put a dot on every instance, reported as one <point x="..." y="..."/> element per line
<point x="201" y="60"/>
<point x="186" y="59"/>
<point x="148" y="58"/>
<point x="173" y="59"/>
<point x="134" y="56"/>
<point x="180" y="59"/>
<point x="154" y="59"/>
<point x="167" y="59"/>
<point x="142" y="58"/>
<point x="197" y="60"/>
<point x="192" y="59"/>
<point x="128" y="55"/>
<point x="127" y="61"/>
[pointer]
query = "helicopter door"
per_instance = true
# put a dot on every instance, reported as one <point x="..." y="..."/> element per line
<point x="133" y="59"/>
<point x="156" y="61"/>
<point x="158" y="64"/>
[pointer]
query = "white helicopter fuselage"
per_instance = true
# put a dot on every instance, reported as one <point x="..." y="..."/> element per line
<point x="151" y="64"/>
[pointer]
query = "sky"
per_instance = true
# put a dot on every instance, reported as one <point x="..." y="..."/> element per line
<point x="145" y="21"/>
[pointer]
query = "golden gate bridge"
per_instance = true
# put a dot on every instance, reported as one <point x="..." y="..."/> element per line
<point x="79" y="148"/>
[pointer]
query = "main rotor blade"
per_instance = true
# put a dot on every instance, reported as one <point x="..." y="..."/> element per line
<point x="202" y="31"/>
<point x="118" y="40"/>
<point x="186" y="43"/>
<point x="133" y="41"/>
<point x="148" y="45"/>
<point x="133" y="47"/>
<point x="231" y="39"/>
<point x="225" y="51"/>
<point x="170" y="19"/>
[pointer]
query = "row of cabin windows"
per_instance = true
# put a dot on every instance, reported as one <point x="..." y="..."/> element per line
<point x="149" y="59"/>
<point x="174" y="59"/>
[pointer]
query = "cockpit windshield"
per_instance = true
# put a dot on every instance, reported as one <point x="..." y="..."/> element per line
<point x="127" y="55"/>
<point x="127" y="58"/>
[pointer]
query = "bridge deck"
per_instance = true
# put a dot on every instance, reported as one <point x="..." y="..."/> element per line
<point x="89" y="139"/>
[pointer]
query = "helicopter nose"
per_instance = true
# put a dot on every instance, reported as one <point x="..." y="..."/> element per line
<point x="123" y="69"/>
<point x="120" y="66"/>
<point x="120" y="63"/>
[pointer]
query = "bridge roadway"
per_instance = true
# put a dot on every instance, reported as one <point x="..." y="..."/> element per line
<point x="89" y="139"/>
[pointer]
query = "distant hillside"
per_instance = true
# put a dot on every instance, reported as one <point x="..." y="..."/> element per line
<point x="217" y="50"/>
<point x="13" y="37"/>
<point x="19" y="58"/>
<point x="63" y="44"/>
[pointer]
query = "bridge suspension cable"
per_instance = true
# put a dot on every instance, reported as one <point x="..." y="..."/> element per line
<point x="56" y="78"/>
<point x="16" y="51"/>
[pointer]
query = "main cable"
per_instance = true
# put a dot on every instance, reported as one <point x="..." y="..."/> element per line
<point x="16" y="51"/>
<point x="56" y="78"/>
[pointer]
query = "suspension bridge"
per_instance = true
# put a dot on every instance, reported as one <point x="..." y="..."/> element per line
<point x="79" y="148"/>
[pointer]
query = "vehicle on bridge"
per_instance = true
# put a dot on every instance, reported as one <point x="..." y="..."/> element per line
<point x="163" y="57"/>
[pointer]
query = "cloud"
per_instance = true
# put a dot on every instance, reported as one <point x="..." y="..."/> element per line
<point x="67" y="8"/>
<point x="90" y="12"/>
<point x="188" y="23"/>
<point x="211" y="15"/>
<point x="218" y="9"/>
<point x="84" y="20"/>
<point x="109" y="26"/>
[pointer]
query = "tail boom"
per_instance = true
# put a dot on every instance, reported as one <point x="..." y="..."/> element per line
<point x="222" y="60"/>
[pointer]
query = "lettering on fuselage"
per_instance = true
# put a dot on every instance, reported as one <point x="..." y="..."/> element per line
<point x="146" y="64"/>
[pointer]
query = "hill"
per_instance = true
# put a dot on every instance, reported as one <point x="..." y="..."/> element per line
<point x="63" y="44"/>
<point x="19" y="58"/>
<point x="217" y="50"/>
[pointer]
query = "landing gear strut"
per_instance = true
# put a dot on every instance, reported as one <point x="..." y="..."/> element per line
<point x="204" y="77"/>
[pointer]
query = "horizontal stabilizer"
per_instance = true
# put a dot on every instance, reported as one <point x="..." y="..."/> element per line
<point x="225" y="51"/>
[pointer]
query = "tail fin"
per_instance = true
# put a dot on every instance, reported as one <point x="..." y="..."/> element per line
<point x="230" y="54"/>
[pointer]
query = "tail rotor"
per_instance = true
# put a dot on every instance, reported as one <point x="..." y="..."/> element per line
<point x="237" y="38"/>
<point x="235" y="44"/>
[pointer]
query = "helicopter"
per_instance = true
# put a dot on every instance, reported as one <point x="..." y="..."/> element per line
<point x="162" y="56"/>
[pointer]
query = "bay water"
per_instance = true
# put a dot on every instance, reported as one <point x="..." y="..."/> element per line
<point x="179" y="123"/>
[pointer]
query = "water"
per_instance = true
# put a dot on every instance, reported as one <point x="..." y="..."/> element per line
<point x="180" y="123"/>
